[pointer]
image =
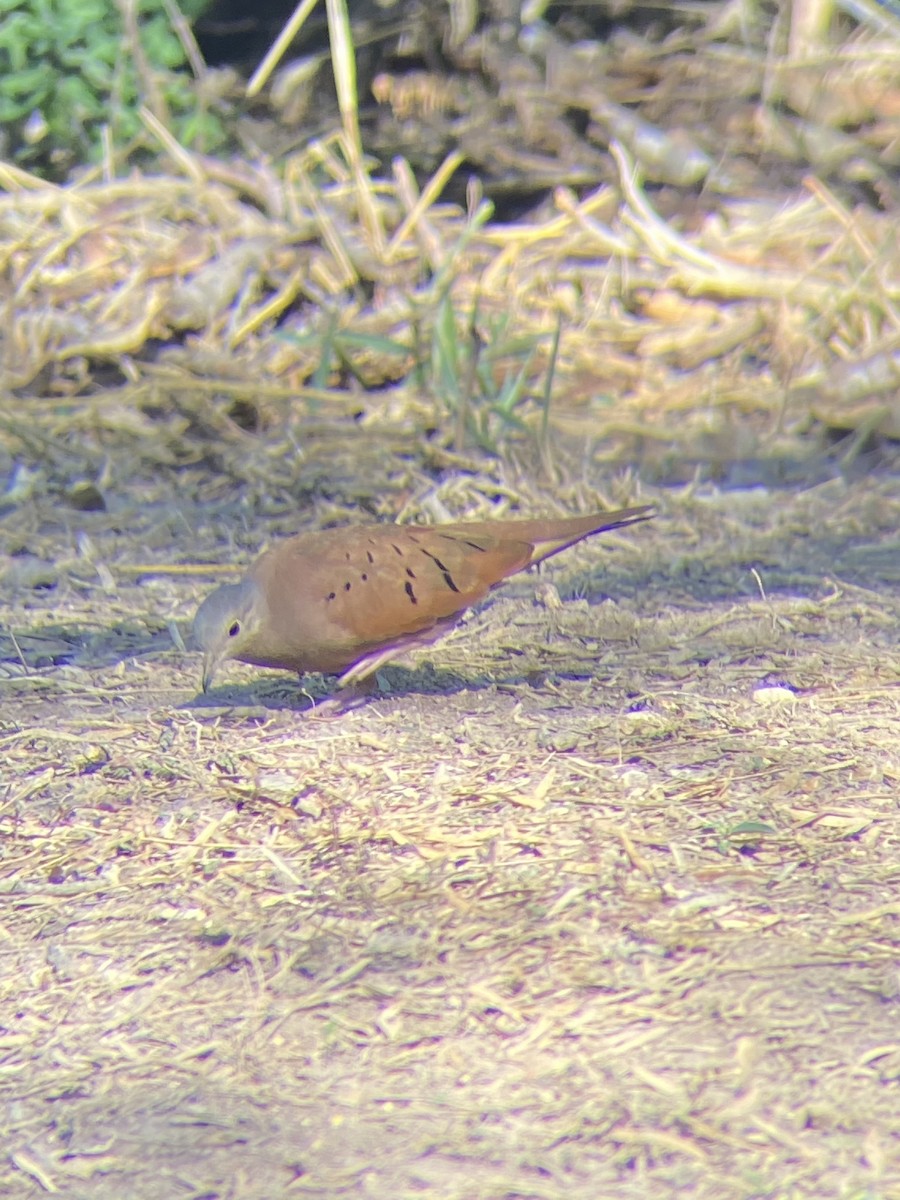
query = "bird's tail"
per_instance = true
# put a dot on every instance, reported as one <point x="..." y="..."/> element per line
<point x="551" y="536"/>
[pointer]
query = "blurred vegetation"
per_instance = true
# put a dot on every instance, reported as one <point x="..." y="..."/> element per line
<point x="71" y="68"/>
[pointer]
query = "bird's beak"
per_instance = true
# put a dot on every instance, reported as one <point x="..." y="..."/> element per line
<point x="210" y="666"/>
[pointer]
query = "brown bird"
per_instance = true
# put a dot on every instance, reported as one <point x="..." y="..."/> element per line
<point x="345" y="601"/>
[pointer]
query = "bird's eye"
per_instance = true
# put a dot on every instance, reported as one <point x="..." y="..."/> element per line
<point x="234" y="629"/>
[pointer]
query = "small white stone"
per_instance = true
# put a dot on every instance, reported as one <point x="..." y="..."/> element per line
<point x="773" y="695"/>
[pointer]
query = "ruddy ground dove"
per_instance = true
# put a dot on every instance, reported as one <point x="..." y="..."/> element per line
<point x="345" y="601"/>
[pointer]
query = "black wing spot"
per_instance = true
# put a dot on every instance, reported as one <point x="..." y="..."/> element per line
<point x="370" y="558"/>
<point x="465" y="541"/>
<point x="397" y="548"/>
<point x="364" y="577"/>
<point x="347" y="586"/>
<point x="410" y="572"/>
<point x="445" y="571"/>
<point x="331" y="596"/>
<point x="409" y="591"/>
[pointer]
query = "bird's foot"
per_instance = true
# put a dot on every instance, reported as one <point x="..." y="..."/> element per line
<point x="345" y="699"/>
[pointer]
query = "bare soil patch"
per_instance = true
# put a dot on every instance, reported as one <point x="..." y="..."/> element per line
<point x="599" y="896"/>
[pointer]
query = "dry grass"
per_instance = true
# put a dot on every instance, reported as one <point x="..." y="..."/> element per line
<point x="600" y="900"/>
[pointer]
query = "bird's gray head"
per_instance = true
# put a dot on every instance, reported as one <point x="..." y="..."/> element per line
<point x="226" y="623"/>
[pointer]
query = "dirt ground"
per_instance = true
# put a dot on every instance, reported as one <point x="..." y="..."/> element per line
<point x="598" y="898"/>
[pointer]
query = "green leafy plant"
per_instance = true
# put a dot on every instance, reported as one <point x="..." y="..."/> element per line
<point x="480" y="375"/>
<point x="340" y="349"/>
<point x="69" y="68"/>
